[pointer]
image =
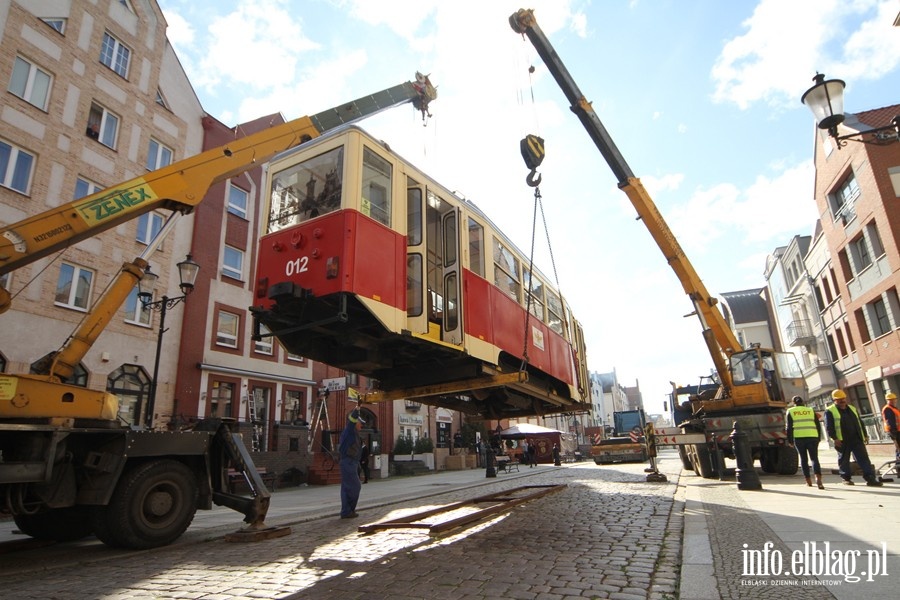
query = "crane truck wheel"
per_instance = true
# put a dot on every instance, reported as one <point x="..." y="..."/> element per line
<point x="154" y="503"/>
<point x="59" y="524"/>
<point x="702" y="459"/>
<point x="685" y="459"/>
<point x="768" y="460"/>
<point x="787" y="461"/>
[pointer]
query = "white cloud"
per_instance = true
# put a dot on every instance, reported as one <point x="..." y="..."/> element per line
<point x="787" y="42"/>
<point x="180" y="32"/>
<point x="255" y="46"/>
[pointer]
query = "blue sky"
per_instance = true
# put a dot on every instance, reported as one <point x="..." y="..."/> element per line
<point x="702" y="97"/>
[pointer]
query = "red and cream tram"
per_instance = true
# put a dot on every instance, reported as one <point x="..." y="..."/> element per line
<point x="368" y="265"/>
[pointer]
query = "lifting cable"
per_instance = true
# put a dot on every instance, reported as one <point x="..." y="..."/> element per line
<point x="532" y="150"/>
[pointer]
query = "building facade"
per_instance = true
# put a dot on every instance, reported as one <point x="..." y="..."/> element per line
<point x="94" y="95"/>
<point x="798" y="311"/>
<point x="857" y="187"/>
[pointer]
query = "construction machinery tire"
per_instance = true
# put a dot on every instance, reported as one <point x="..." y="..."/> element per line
<point x="703" y="462"/>
<point x="154" y="503"/>
<point x="685" y="458"/>
<point x="58" y="524"/>
<point x="787" y="461"/>
<point x="768" y="460"/>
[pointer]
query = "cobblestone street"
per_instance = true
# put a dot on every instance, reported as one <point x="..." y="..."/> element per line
<point x="608" y="534"/>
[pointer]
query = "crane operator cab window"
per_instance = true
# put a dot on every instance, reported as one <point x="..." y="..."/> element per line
<point x="306" y="190"/>
<point x="754" y="367"/>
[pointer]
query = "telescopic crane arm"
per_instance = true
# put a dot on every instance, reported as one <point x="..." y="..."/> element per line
<point x="720" y="339"/>
<point x="183" y="184"/>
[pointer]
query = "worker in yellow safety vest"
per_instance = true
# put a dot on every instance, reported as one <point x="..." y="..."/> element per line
<point x="802" y="428"/>
<point x="891" y="416"/>
<point x="845" y="428"/>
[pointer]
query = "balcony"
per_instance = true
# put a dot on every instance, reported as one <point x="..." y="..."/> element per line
<point x="847" y="212"/>
<point x="819" y="375"/>
<point x="800" y="333"/>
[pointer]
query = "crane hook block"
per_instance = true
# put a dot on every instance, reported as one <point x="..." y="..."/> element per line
<point x="532" y="148"/>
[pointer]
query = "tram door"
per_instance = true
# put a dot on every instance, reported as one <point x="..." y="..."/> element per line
<point x="433" y="266"/>
<point x="451" y="327"/>
<point x="418" y="311"/>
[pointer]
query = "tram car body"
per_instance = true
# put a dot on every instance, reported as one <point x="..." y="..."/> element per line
<point x="365" y="263"/>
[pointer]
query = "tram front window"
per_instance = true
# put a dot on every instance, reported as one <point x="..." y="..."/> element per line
<point x="306" y="190"/>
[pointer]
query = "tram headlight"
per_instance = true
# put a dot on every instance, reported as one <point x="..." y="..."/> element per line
<point x="332" y="266"/>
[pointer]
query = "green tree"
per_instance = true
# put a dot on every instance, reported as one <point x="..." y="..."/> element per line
<point x="403" y="445"/>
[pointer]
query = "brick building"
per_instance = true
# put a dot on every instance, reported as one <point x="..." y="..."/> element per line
<point x="857" y="187"/>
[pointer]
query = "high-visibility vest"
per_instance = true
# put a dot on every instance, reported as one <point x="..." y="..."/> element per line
<point x="804" y="420"/>
<point x="833" y="409"/>
<point x="884" y="410"/>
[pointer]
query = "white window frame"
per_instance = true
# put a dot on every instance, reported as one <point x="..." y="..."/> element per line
<point x="236" y="208"/>
<point x="148" y="225"/>
<point x="228" y="268"/>
<point x="118" y="54"/>
<point x="77" y="273"/>
<point x="135" y="313"/>
<point x="107" y="132"/>
<point x="158" y="155"/>
<point x="90" y="186"/>
<point x="12" y="168"/>
<point x="57" y="23"/>
<point x="295" y="357"/>
<point x="28" y="91"/>
<point x="227" y="339"/>
<point x="264" y="345"/>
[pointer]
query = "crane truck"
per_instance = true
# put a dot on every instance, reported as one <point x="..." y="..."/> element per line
<point x="627" y="443"/>
<point x="754" y="383"/>
<point x="68" y="467"/>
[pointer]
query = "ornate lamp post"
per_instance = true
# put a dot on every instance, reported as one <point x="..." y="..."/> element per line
<point x="187" y="273"/>
<point x="826" y="101"/>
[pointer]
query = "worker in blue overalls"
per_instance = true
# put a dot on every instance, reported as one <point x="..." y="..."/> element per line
<point x="349" y="450"/>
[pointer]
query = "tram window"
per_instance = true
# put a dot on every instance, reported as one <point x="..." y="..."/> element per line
<point x="476" y="247"/>
<point x="536" y="289"/>
<point x="306" y="190"/>
<point x="451" y="313"/>
<point x="554" y="312"/>
<point x="506" y="270"/>
<point x="376" y="188"/>
<point x="450" y="237"/>
<point x="413" y="216"/>
<point x="414" y="285"/>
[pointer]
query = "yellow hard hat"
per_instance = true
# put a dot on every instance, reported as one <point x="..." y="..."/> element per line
<point x="838" y="395"/>
<point x="890" y="396"/>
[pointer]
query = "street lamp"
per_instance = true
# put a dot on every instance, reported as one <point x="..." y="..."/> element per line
<point x="826" y="101"/>
<point x="187" y="273"/>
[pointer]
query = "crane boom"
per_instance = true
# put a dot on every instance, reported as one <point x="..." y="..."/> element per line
<point x="719" y="337"/>
<point x="182" y="185"/>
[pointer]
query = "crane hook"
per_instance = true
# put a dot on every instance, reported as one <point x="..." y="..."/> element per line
<point x="532" y="149"/>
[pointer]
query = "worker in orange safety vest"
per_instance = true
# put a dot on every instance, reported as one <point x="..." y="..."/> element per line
<point x="891" y="416"/>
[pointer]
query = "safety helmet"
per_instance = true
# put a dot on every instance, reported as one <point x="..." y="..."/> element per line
<point x="838" y="395"/>
<point x="890" y="396"/>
